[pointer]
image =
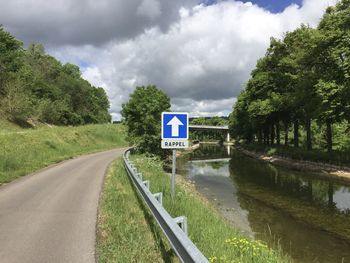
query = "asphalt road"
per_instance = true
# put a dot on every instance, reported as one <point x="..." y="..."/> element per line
<point x="50" y="216"/>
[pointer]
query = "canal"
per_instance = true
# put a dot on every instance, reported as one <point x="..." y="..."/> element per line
<point x="307" y="215"/>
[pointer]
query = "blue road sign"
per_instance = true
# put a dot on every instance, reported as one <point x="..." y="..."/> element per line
<point x="175" y="125"/>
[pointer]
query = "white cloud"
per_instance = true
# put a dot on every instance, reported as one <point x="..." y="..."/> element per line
<point x="202" y="61"/>
<point x="93" y="74"/>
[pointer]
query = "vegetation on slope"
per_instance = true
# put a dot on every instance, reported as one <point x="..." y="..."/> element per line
<point x="302" y="84"/>
<point x="35" y="85"/>
<point x="27" y="150"/>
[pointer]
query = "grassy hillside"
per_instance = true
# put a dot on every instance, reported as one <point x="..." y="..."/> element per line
<point x="23" y="151"/>
<point x="6" y="126"/>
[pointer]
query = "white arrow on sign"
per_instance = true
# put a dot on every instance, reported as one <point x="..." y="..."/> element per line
<point x="175" y="123"/>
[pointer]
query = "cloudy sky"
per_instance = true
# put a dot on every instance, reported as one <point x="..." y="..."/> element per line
<point x="200" y="52"/>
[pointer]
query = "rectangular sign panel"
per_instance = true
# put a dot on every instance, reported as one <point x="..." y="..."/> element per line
<point x="175" y="125"/>
<point x="174" y="130"/>
<point x="174" y="144"/>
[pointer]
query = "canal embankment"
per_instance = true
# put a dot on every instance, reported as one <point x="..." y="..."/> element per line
<point x="323" y="169"/>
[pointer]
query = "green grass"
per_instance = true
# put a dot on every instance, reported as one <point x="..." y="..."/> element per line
<point x="126" y="230"/>
<point x="24" y="151"/>
<point x="207" y="229"/>
<point x="6" y="126"/>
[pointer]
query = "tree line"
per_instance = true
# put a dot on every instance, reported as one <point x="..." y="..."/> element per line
<point x="302" y="82"/>
<point x="35" y="85"/>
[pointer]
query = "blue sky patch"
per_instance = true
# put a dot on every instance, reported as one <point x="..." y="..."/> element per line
<point x="274" y="6"/>
<point x="83" y="64"/>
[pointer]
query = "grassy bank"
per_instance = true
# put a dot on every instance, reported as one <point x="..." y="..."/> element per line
<point x="23" y="151"/>
<point x="6" y="126"/>
<point x="208" y="230"/>
<point x="126" y="232"/>
<point x="336" y="157"/>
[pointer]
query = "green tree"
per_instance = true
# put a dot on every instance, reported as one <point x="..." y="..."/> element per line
<point x="10" y="57"/>
<point x="240" y="124"/>
<point x="16" y="103"/>
<point x="333" y="67"/>
<point x="298" y="62"/>
<point x="142" y="116"/>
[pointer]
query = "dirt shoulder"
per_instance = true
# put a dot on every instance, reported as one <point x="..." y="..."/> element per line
<point x="341" y="172"/>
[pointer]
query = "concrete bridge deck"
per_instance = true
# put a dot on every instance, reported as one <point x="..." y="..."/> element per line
<point x="207" y="128"/>
<point x="223" y="129"/>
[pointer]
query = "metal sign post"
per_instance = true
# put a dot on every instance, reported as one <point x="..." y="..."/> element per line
<point x="174" y="136"/>
<point x="173" y="178"/>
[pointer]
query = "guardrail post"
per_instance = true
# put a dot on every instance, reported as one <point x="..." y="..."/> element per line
<point x="132" y="166"/>
<point x="139" y="175"/>
<point x="182" y="222"/>
<point x="146" y="183"/>
<point x="159" y="197"/>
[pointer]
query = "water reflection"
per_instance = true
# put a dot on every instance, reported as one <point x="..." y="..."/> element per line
<point x="307" y="187"/>
<point x="212" y="178"/>
<point x="301" y="241"/>
<point x="209" y="152"/>
<point x="258" y="198"/>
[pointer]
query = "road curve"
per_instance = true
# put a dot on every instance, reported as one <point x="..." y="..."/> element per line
<point x="50" y="216"/>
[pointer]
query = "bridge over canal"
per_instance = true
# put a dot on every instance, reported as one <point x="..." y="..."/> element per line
<point x="223" y="129"/>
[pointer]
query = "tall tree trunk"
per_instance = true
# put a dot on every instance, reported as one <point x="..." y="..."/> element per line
<point x="308" y="134"/>
<point x="272" y="129"/>
<point x="250" y="138"/>
<point x="296" y="133"/>
<point x="278" y="133"/>
<point x="264" y="136"/>
<point x="259" y="136"/>
<point x="286" y="128"/>
<point x="268" y="135"/>
<point x="329" y="136"/>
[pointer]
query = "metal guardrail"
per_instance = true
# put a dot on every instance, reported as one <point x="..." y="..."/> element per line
<point x="175" y="229"/>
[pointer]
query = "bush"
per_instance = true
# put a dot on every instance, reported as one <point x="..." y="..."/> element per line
<point x="142" y="116"/>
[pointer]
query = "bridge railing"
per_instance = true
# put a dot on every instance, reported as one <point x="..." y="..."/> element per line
<point x="175" y="229"/>
<point x="208" y="127"/>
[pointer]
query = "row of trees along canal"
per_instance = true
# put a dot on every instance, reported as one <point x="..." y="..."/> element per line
<point x="35" y="85"/>
<point x="303" y="81"/>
